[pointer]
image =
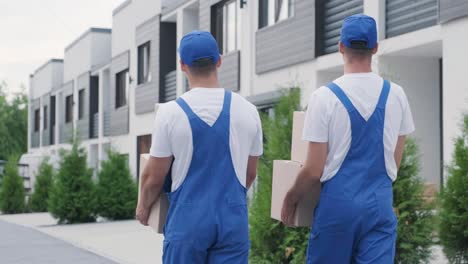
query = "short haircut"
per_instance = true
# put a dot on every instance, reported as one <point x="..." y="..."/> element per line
<point x="359" y="50"/>
<point x="202" y="67"/>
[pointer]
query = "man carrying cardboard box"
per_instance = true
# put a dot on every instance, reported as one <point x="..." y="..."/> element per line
<point x="356" y="127"/>
<point x="215" y="138"/>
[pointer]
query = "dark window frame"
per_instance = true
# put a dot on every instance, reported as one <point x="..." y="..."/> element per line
<point x="263" y="12"/>
<point x="81" y="101"/>
<point x="143" y="64"/>
<point x="69" y="108"/>
<point x="121" y="89"/>
<point x="37" y="122"/>
<point x="219" y="29"/>
<point x="44" y="123"/>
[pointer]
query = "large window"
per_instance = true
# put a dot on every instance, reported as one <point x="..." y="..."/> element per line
<point x="81" y="99"/>
<point x="68" y="108"/>
<point x="36" y="120"/>
<point x="273" y="11"/>
<point x="144" y="74"/>
<point x="226" y="25"/>
<point x="121" y="89"/>
<point x="45" y="118"/>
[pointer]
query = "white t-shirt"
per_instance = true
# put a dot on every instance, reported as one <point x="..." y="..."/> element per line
<point x="172" y="135"/>
<point x="328" y="121"/>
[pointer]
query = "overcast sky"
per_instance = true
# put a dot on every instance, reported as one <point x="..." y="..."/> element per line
<point x="33" y="31"/>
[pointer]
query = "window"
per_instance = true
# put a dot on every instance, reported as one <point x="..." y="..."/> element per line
<point x="225" y="25"/>
<point x="273" y="11"/>
<point x="81" y="98"/>
<point x="36" y="120"/>
<point x="45" y="118"/>
<point x="144" y="74"/>
<point x="121" y="88"/>
<point x="69" y="108"/>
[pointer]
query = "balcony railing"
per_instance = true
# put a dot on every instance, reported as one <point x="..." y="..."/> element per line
<point x="330" y="16"/>
<point x="170" y="87"/>
<point x="403" y="16"/>
<point x="95" y="126"/>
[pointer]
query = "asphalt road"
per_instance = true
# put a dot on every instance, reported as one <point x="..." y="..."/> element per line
<point x="20" y="245"/>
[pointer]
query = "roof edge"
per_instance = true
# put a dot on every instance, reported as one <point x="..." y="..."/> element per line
<point x="121" y="7"/>
<point x="47" y="63"/>
<point x="84" y="34"/>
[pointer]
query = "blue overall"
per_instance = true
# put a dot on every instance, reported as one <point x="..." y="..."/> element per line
<point x="354" y="221"/>
<point x="207" y="220"/>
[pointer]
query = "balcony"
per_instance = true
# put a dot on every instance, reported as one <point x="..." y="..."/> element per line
<point x="403" y="16"/>
<point x="330" y="15"/>
<point x="169" y="92"/>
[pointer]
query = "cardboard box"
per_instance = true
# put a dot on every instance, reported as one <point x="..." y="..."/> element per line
<point x="158" y="213"/>
<point x="298" y="146"/>
<point x="284" y="176"/>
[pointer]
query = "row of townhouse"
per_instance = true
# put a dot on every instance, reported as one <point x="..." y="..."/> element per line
<point x="109" y="83"/>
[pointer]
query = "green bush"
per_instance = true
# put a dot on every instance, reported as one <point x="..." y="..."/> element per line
<point x="42" y="187"/>
<point x="116" y="190"/>
<point x="454" y="203"/>
<point x="12" y="194"/>
<point x="271" y="241"/>
<point x="415" y="217"/>
<point x="72" y="198"/>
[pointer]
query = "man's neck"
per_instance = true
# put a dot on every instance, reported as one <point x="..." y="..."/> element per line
<point x="211" y="82"/>
<point x="357" y="68"/>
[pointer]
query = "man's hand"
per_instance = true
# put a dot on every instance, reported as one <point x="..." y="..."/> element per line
<point x="308" y="176"/>
<point x="288" y="212"/>
<point x="142" y="215"/>
<point x="152" y="181"/>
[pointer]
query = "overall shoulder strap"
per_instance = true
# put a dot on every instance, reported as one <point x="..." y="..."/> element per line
<point x="384" y="94"/>
<point x="188" y="111"/>
<point x="227" y="102"/>
<point x="342" y="97"/>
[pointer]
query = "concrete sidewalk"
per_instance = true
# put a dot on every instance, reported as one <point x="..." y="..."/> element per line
<point x="19" y="244"/>
<point x="121" y="241"/>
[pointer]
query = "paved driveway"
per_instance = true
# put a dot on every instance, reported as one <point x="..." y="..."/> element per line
<point x="19" y="244"/>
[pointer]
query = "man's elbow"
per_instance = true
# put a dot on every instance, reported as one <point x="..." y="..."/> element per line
<point x="152" y="182"/>
<point x="312" y="173"/>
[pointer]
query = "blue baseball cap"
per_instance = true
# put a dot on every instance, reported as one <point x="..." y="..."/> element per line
<point x="361" y="29"/>
<point x="198" y="45"/>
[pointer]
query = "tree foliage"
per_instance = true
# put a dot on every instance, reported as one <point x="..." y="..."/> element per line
<point x="12" y="193"/>
<point x="116" y="190"/>
<point x="272" y="242"/>
<point x="14" y="120"/>
<point x="42" y="187"/>
<point x="454" y="203"/>
<point x="415" y="217"/>
<point x="72" y="198"/>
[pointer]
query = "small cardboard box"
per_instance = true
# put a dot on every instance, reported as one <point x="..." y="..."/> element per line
<point x="157" y="217"/>
<point x="284" y="176"/>
<point x="298" y="146"/>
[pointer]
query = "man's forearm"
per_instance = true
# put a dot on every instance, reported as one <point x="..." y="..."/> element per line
<point x="150" y="191"/>
<point x="250" y="180"/>
<point x="305" y="182"/>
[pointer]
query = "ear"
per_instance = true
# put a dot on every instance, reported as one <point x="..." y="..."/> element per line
<point x="375" y="49"/>
<point x="219" y="61"/>
<point x="183" y="66"/>
<point x="341" y="47"/>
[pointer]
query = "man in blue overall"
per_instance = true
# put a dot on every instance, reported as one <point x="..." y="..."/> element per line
<point x="356" y="128"/>
<point x="214" y="138"/>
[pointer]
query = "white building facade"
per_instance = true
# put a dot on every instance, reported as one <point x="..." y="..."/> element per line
<point x="114" y="79"/>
